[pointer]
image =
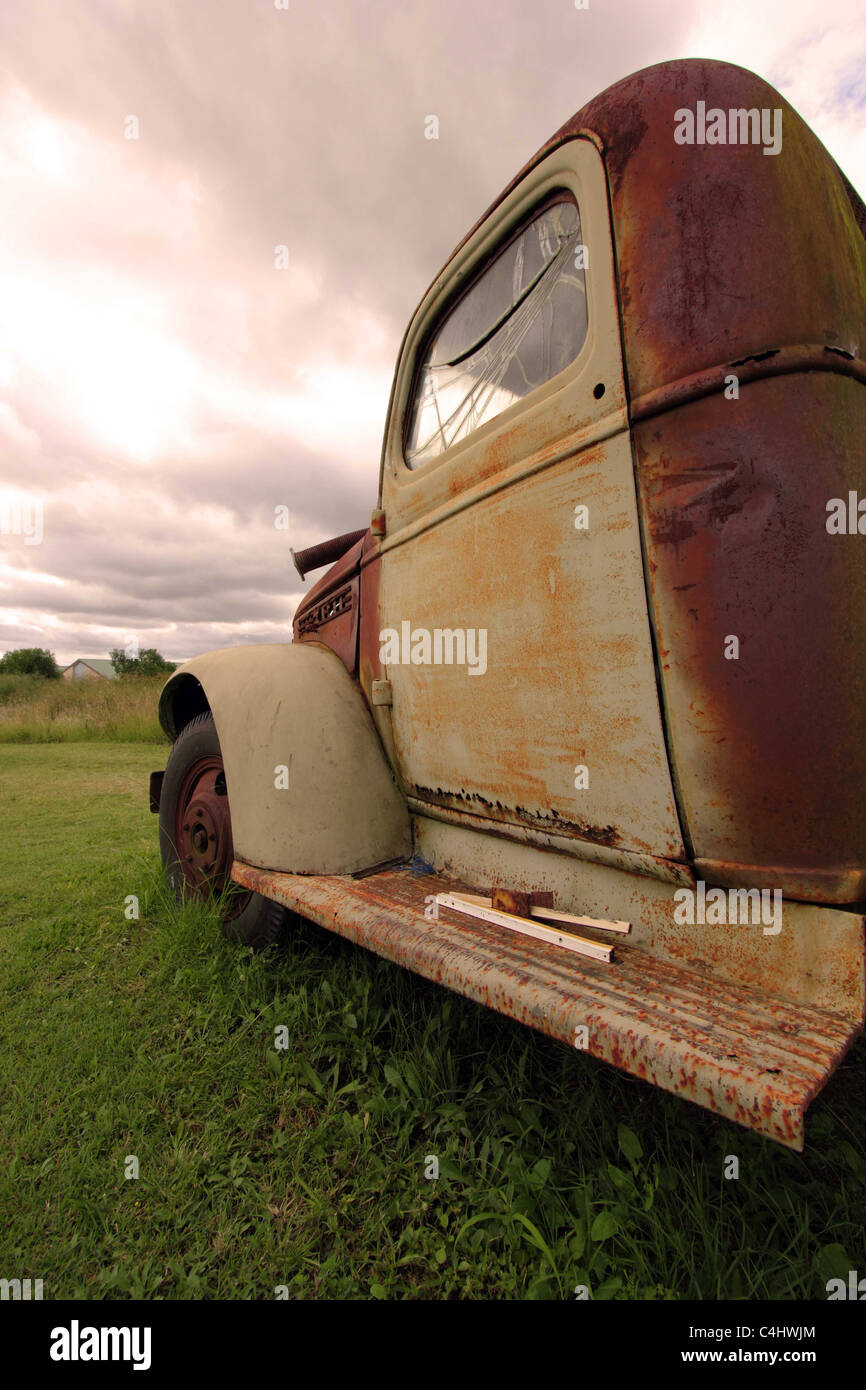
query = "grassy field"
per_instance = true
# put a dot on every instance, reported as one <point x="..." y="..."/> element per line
<point x="34" y="710"/>
<point x="305" y="1167"/>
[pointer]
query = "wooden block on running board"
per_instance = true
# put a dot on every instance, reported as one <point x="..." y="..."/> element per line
<point x="510" y="900"/>
<point x="519" y="903"/>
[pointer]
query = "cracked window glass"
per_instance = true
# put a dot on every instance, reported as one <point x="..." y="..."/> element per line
<point x="520" y="323"/>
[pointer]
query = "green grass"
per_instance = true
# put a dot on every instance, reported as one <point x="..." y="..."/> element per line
<point x="35" y="710"/>
<point x="305" y="1167"/>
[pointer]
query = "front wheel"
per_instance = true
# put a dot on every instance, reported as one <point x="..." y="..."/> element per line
<point x="195" y="837"/>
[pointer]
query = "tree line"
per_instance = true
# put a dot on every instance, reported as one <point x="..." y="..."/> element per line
<point x="38" y="661"/>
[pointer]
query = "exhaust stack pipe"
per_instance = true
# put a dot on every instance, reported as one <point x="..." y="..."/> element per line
<point x="315" y="557"/>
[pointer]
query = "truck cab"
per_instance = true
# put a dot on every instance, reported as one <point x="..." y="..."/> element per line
<point x="601" y="645"/>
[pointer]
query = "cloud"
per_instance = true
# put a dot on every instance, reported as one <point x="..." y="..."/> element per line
<point x="815" y="57"/>
<point x="163" y="385"/>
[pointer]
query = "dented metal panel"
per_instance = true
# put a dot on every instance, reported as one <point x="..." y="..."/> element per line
<point x="761" y="622"/>
<point x="746" y="1055"/>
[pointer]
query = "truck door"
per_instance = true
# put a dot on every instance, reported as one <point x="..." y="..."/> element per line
<point x="512" y="604"/>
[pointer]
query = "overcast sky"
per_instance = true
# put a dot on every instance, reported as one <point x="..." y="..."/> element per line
<point x="163" y="386"/>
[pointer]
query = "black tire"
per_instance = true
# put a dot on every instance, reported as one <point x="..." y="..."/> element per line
<point x="197" y="849"/>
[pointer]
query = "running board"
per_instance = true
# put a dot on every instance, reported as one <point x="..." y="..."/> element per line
<point x="755" y="1058"/>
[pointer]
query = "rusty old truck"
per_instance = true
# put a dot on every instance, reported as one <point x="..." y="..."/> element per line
<point x="600" y="655"/>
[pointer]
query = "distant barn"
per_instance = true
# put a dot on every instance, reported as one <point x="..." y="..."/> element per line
<point x="89" y="668"/>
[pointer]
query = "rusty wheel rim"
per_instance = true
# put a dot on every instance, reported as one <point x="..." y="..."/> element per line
<point x="203" y="835"/>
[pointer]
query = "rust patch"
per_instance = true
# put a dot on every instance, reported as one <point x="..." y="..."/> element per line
<point x="650" y="1018"/>
<point x="733" y="499"/>
<point x="550" y="820"/>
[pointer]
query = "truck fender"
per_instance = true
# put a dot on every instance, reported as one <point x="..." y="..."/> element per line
<point x="309" y="786"/>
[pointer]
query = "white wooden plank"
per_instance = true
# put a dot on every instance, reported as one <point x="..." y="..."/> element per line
<point x="468" y="904"/>
<point x="550" y="914"/>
